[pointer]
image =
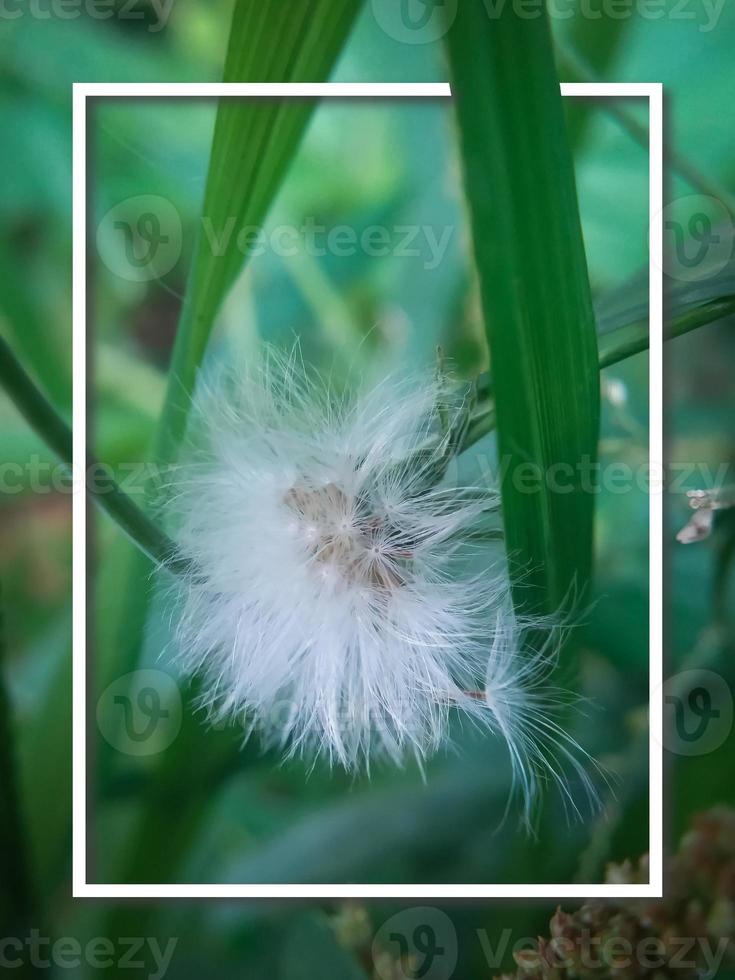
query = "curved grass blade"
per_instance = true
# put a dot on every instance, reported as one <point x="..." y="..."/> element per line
<point x="254" y="142"/>
<point x="44" y="419"/>
<point x="535" y="293"/>
<point x="626" y="305"/>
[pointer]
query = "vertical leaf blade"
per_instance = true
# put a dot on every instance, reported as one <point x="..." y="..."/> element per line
<point x="254" y="142"/>
<point x="535" y="293"/>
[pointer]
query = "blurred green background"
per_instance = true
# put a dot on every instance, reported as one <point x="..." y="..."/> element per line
<point x="194" y="809"/>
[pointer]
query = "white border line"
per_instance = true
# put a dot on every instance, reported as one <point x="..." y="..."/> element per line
<point x="79" y="500"/>
<point x="656" y="499"/>
<point x="80" y="887"/>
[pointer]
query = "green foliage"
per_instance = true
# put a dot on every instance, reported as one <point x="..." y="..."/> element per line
<point x="310" y="948"/>
<point x="535" y="293"/>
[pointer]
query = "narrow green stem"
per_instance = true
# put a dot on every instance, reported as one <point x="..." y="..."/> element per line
<point x="572" y="64"/>
<point x="46" y="421"/>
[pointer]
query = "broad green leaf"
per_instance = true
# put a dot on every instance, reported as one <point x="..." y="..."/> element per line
<point x="535" y="292"/>
<point x="362" y="836"/>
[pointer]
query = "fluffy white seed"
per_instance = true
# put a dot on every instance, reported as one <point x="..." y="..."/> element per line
<point x="338" y="599"/>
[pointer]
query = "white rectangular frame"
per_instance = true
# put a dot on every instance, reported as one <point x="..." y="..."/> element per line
<point x="81" y="888"/>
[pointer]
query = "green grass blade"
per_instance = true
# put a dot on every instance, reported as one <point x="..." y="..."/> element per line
<point x="535" y="291"/>
<point x="626" y="306"/>
<point x="635" y="339"/>
<point x="254" y="142"/>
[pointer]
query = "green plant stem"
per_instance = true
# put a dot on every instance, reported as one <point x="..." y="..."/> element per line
<point x="44" y="419"/>
<point x="483" y="421"/>
<point x="574" y="68"/>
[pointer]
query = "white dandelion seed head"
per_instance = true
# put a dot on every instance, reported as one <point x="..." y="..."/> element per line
<point x="331" y="602"/>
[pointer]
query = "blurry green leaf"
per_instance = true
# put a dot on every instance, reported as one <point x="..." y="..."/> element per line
<point x="597" y="37"/>
<point x="43" y="751"/>
<point x="46" y="350"/>
<point x="724" y="562"/>
<point x="535" y="291"/>
<point x="168" y="841"/>
<point x="15" y="890"/>
<point x="341" y="842"/>
<point x="576" y="69"/>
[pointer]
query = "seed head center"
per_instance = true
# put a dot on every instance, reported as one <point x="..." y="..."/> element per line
<point x="342" y="533"/>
